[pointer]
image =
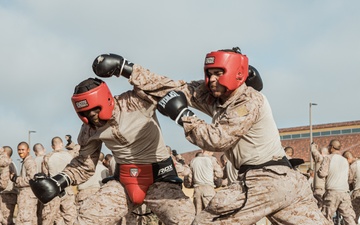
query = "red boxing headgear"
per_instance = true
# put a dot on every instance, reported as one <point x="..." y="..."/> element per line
<point x="234" y="64"/>
<point x="99" y="96"/>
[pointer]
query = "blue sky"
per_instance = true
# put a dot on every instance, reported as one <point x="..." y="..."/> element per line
<point x="305" y="51"/>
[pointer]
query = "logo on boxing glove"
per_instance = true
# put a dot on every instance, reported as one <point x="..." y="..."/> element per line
<point x="167" y="98"/>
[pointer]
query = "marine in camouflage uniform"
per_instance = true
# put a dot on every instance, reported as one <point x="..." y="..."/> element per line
<point x="181" y="168"/>
<point x="59" y="210"/>
<point x="244" y="129"/>
<point x="4" y="174"/>
<point x="335" y="170"/>
<point x="72" y="148"/>
<point x="203" y="171"/>
<point x="319" y="183"/>
<point x="354" y="182"/>
<point x="128" y="126"/>
<point x="8" y="193"/>
<point x="26" y="201"/>
<point x="39" y="152"/>
<point x="4" y="178"/>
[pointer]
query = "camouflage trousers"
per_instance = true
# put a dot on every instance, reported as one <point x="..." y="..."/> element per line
<point x="7" y="207"/>
<point x="2" y="221"/>
<point x="277" y="192"/>
<point x="27" y="207"/>
<point x="111" y="203"/>
<point x="142" y="216"/>
<point x="355" y="201"/>
<point x="340" y="201"/>
<point x="319" y="194"/>
<point x="60" y="210"/>
<point x="84" y="194"/>
<point x="202" y="196"/>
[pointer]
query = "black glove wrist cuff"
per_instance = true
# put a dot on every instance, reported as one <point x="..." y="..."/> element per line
<point x="126" y="69"/>
<point x="62" y="180"/>
<point x="184" y="112"/>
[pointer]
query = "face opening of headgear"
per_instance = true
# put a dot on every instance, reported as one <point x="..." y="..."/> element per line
<point x="92" y="93"/>
<point x="234" y="64"/>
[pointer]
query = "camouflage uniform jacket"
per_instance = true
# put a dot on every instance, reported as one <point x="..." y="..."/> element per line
<point x="132" y="134"/>
<point x="27" y="172"/>
<point x="243" y="127"/>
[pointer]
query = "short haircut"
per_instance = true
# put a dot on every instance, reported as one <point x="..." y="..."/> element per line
<point x="347" y="154"/>
<point x="335" y="144"/>
<point x="23" y="143"/>
<point x="108" y="157"/>
<point x="37" y="144"/>
<point x="8" y="150"/>
<point x="56" y="140"/>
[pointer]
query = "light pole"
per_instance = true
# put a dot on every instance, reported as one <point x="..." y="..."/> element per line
<point x="30" y="131"/>
<point x="311" y="135"/>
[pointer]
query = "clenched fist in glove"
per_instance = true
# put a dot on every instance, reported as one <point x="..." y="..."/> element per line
<point x="107" y="65"/>
<point x="46" y="188"/>
<point x="174" y="105"/>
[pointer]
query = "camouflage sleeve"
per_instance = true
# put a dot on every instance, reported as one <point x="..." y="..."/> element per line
<point x="83" y="166"/>
<point x="224" y="133"/>
<point x="151" y="83"/>
<point x="4" y="169"/>
<point x="187" y="170"/>
<point x="30" y="168"/>
<point x="156" y="86"/>
<point x="324" y="168"/>
<point x="4" y="177"/>
<point x="352" y="172"/>
<point x="12" y="168"/>
<point x="218" y="171"/>
<point x="188" y="179"/>
<point x="45" y="165"/>
<point x="214" y="137"/>
<point x="4" y="160"/>
<point x="316" y="154"/>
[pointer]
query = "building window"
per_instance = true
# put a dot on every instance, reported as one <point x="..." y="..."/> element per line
<point x="356" y="130"/>
<point x="285" y="137"/>
<point x="306" y="135"/>
<point x="347" y="131"/>
<point x="325" y="133"/>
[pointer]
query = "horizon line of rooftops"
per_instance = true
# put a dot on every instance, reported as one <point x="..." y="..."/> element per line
<point x="319" y="134"/>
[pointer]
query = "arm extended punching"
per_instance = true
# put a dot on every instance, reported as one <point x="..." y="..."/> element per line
<point x="174" y="105"/>
<point x="46" y="188"/>
<point x="107" y="65"/>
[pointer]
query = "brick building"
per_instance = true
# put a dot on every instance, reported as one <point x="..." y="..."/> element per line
<point x="348" y="133"/>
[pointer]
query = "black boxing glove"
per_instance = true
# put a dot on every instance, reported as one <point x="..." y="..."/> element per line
<point x="46" y="188"/>
<point x="107" y="65"/>
<point x="254" y="79"/>
<point x="174" y="105"/>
